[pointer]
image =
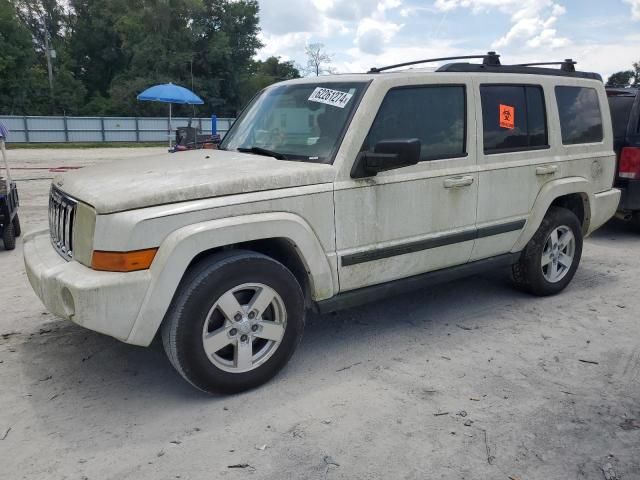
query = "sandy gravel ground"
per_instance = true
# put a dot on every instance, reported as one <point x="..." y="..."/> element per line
<point x="469" y="380"/>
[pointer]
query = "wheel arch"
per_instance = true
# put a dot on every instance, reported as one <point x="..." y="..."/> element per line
<point x="578" y="203"/>
<point x="572" y="193"/>
<point x="286" y="237"/>
<point x="281" y="249"/>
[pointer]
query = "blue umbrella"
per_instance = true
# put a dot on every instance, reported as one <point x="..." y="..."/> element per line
<point x="170" y="93"/>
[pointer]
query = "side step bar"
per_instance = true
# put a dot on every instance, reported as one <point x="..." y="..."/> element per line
<point x="354" y="298"/>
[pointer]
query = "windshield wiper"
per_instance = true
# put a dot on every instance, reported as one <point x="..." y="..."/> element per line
<point x="263" y="151"/>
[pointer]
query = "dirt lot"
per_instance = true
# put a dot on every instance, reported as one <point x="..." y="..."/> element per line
<point x="470" y="380"/>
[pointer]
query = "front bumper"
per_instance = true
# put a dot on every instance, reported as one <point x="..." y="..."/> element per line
<point x="106" y="302"/>
<point x="604" y="206"/>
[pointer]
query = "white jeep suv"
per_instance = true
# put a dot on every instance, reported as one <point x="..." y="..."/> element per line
<point x="327" y="193"/>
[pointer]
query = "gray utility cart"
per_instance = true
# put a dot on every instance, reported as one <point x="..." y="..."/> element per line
<point x="9" y="221"/>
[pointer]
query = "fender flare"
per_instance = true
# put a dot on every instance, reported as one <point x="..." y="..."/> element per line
<point x="180" y="247"/>
<point x="548" y="193"/>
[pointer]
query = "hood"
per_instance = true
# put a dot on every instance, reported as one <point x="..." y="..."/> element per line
<point x="178" y="177"/>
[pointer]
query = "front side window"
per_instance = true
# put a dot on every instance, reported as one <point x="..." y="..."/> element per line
<point x="580" y="118"/>
<point x="433" y="114"/>
<point x="303" y="122"/>
<point x="513" y="118"/>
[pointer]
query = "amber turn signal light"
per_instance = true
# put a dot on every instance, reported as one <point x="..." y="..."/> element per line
<point x="123" y="261"/>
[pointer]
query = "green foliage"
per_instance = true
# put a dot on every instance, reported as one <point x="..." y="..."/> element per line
<point x="626" y="77"/>
<point x="264" y="73"/>
<point x="108" y="51"/>
<point x="95" y="45"/>
<point x="20" y="76"/>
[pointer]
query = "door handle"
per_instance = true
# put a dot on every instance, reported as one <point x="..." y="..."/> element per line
<point x="546" y="170"/>
<point x="457" y="182"/>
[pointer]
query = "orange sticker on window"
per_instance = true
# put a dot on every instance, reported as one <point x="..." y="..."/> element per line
<point x="507" y="116"/>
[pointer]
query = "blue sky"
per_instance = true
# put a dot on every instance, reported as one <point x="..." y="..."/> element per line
<point x="602" y="35"/>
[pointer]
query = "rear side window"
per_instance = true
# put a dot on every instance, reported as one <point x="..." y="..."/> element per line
<point x="433" y="114"/>
<point x="513" y="118"/>
<point x="580" y="117"/>
<point x="620" y="106"/>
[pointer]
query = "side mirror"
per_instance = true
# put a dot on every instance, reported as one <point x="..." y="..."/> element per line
<point x="387" y="155"/>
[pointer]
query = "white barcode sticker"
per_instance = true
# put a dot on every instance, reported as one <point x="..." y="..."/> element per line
<point x="327" y="96"/>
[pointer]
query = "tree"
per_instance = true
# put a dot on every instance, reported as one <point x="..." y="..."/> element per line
<point x="626" y="77"/>
<point x="16" y="56"/>
<point x="45" y="19"/>
<point x="265" y="73"/>
<point x="234" y="32"/>
<point x="205" y="44"/>
<point x="48" y="22"/>
<point x="277" y="69"/>
<point x="23" y="83"/>
<point x="95" y="44"/>
<point x="318" y="60"/>
<point x="107" y="51"/>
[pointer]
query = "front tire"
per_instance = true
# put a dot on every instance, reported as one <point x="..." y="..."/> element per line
<point x="16" y="225"/>
<point x="235" y="322"/>
<point x="551" y="258"/>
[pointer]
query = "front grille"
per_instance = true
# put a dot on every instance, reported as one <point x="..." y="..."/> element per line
<point x="62" y="214"/>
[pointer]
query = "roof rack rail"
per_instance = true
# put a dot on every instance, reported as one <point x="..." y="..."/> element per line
<point x="491" y="63"/>
<point x="490" y="58"/>
<point x="516" y="69"/>
<point x="568" y="65"/>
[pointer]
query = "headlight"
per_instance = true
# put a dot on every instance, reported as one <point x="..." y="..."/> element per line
<point x="83" y="231"/>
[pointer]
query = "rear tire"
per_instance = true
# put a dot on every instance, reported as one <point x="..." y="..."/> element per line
<point x="551" y="258"/>
<point x="16" y="226"/>
<point x="9" y="237"/>
<point x="234" y="322"/>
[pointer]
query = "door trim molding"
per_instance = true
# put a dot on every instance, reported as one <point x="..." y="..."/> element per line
<point x="429" y="243"/>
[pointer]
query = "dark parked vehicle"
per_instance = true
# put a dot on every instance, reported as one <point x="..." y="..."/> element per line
<point x="625" y="115"/>
<point x="9" y="221"/>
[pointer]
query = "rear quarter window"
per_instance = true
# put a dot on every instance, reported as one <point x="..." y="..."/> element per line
<point x="580" y="116"/>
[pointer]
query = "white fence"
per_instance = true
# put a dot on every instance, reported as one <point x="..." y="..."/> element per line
<point x="103" y="129"/>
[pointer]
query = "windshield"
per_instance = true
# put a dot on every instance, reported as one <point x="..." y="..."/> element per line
<point x="296" y="122"/>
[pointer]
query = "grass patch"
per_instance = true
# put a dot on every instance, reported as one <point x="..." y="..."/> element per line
<point x="15" y="146"/>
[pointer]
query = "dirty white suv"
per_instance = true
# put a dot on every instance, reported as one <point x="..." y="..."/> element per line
<point x="327" y="193"/>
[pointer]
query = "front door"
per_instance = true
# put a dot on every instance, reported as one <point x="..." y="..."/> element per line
<point x="415" y="219"/>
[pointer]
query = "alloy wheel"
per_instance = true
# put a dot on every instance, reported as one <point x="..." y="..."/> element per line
<point x="244" y="327"/>
<point x="558" y="253"/>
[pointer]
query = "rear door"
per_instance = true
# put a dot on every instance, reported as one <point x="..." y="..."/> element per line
<point x="515" y="159"/>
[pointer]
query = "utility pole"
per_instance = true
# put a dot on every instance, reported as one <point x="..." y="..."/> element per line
<point x="191" y="64"/>
<point x="48" y="52"/>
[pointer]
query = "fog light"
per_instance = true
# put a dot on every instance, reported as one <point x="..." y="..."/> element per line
<point x="68" y="303"/>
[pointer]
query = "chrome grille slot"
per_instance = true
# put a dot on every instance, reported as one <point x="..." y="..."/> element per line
<point x="62" y="212"/>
